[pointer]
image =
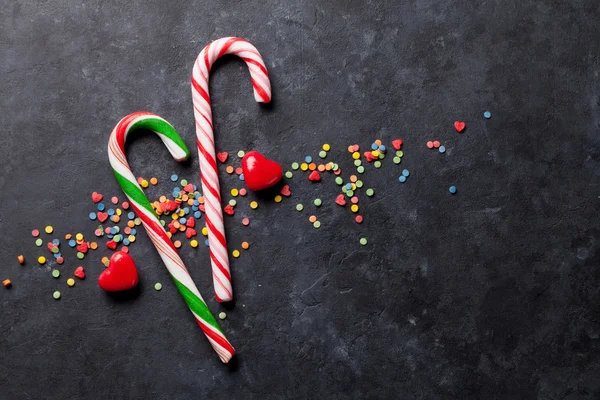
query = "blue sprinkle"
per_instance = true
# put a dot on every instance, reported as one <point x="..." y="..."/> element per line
<point x="126" y="242"/>
<point x="487" y="115"/>
<point x="206" y="243"/>
<point x="197" y="214"/>
<point x="174" y="194"/>
<point x="348" y="186"/>
<point x="402" y="179"/>
<point x="196" y="203"/>
<point x="113" y="230"/>
<point x="382" y="148"/>
<point x="442" y="149"/>
<point x="374" y="146"/>
<point x="182" y="220"/>
<point x="131" y="215"/>
<point x="452" y="189"/>
<point x="110" y="236"/>
<point x="100" y="207"/>
<point x="195" y="188"/>
<point x="72" y="243"/>
<point x="177" y="211"/>
<point x="308" y="159"/>
<point x="241" y="177"/>
<point x="111" y="211"/>
<point x="56" y="242"/>
<point x="405" y="172"/>
<point x="194" y="208"/>
<point x="186" y="210"/>
<point x="176" y="189"/>
<point x="56" y="255"/>
<point x="92" y="216"/>
<point x="133" y="231"/>
<point x="174" y="178"/>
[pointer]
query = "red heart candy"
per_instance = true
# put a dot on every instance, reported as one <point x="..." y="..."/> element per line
<point x="397" y="144"/>
<point x="189" y="188"/>
<point x="201" y="208"/>
<point x="120" y="275"/>
<point x="190" y="223"/>
<point x="83" y="247"/>
<point x="368" y="156"/>
<point x="341" y="200"/>
<point x="459" y="126"/>
<point x="222" y="156"/>
<point x="260" y="172"/>
<point x="96" y="197"/>
<point x="172" y="228"/>
<point x="111" y="244"/>
<point x="285" y="190"/>
<point x="314" y="176"/>
<point x="102" y="216"/>
<point x="190" y="232"/>
<point x="79" y="272"/>
<point x="229" y="210"/>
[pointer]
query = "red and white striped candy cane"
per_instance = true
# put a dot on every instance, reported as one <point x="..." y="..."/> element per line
<point x="206" y="146"/>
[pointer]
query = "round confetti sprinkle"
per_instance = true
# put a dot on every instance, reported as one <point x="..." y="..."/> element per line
<point x="354" y="208"/>
<point x="56" y="295"/>
<point x="312" y="166"/>
<point x="194" y="243"/>
<point x="49" y="229"/>
<point x="363" y="241"/>
<point x="349" y="193"/>
<point x="144" y="183"/>
<point x="35" y="233"/>
<point x="245" y="221"/>
<point x="55" y="273"/>
<point x="80" y="255"/>
<point x="174" y="178"/>
<point x="359" y="219"/>
<point x="354" y="200"/>
<point x="304" y="166"/>
<point x="71" y="282"/>
<point x="241" y="153"/>
<point x="322" y="154"/>
<point x="357" y="163"/>
<point x="254" y="205"/>
<point x="42" y="260"/>
<point x="370" y="192"/>
<point x="436" y="144"/>
<point x="312" y="218"/>
<point x="205" y="231"/>
<point x="235" y="253"/>
<point x="402" y="179"/>
<point x="377" y="164"/>
<point x="39" y="242"/>
<point x="397" y="160"/>
<point x="317" y="224"/>
<point x="295" y="166"/>
<point x="79" y="236"/>
<point x="289" y="174"/>
<point x="321" y="168"/>
<point x="183" y="182"/>
<point x="157" y="286"/>
<point x="405" y="172"/>
<point x="177" y="244"/>
<point x="278" y="199"/>
<point x="318" y="202"/>
<point x="105" y="261"/>
<point x="234" y="192"/>
<point x="232" y="203"/>
<point x="229" y="169"/>
<point x="299" y="207"/>
<point x="487" y="115"/>
<point x="399" y="153"/>
<point x="452" y="189"/>
<point x="356" y="155"/>
<point x="92" y="216"/>
<point x="339" y="180"/>
<point x="245" y="245"/>
<point x="360" y="169"/>
<point x="326" y="147"/>
<point x="430" y="144"/>
<point x="442" y="149"/>
<point x="359" y="184"/>
<point x="243" y="192"/>
<point x="308" y="159"/>
<point x="222" y="315"/>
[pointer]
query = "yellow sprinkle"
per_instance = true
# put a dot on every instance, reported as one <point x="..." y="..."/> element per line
<point x="181" y="212"/>
<point x="354" y="186"/>
<point x="304" y="166"/>
<point x="375" y="153"/>
<point x="169" y="234"/>
<point x="132" y="238"/>
<point x="278" y="199"/>
<point x="49" y="229"/>
<point x="174" y="216"/>
<point x="253" y="205"/>
<point x="71" y="282"/>
<point x="356" y="155"/>
<point x="326" y="147"/>
<point x="354" y="208"/>
<point x="234" y="192"/>
<point x="194" y="243"/>
<point x="79" y="236"/>
<point x="144" y="184"/>
<point x="205" y="231"/>
<point x="235" y="253"/>
<point x="42" y="260"/>
<point x="119" y="212"/>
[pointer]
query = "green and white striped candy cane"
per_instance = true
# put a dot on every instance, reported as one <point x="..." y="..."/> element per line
<point x="156" y="232"/>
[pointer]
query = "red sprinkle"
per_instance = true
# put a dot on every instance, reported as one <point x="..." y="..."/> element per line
<point x="314" y="176"/>
<point x="239" y="171"/>
<point x="35" y="233"/>
<point x="354" y="200"/>
<point x="115" y="200"/>
<point x="243" y="192"/>
<point x="229" y="210"/>
<point x="285" y="190"/>
<point x="430" y="144"/>
<point x="437" y="144"/>
<point x="222" y="156"/>
<point x="125" y="205"/>
<point x="341" y="200"/>
<point x="245" y="221"/>
<point x="459" y="126"/>
<point x="397" y="144"/>
<point x="359" y="219"/>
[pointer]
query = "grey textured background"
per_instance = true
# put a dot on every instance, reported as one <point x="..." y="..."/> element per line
<point x="492" y="293"/>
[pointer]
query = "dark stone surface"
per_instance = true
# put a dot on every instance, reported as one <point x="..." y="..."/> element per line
<point x="492" y="293"/>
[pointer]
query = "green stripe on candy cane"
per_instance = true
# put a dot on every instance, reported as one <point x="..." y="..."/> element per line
<point x="195" y="304"/>
<point x="163" y="128"/>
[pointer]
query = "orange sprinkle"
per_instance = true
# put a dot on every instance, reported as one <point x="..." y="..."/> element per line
<point x="229" y="169"/>
<point x="328" y="167"/>
<point x="68" y="236"/>
<point x="182" y="228"/>
<point x="21" y="259"/>
<point x="185" y="197"/>
<point x="201" y="199"/>
<point x="321" y="167"/>
<point x="115" y="218"/>
<point x="177" y="244"/>
<point x="153" y="180"/>
<point x="312" y="166"/>
<point x="312" y="218"/>
<point x="162" y="199"/>
<point x="350" y="149"/>
<point x="93" y="245"/>
<point x="190" y="202"/>
<point x="130" y="223"/>
<point x="353" y="178"/>
<point x="378" y="142"/>
<point x="7" y="283"/>
<point x="176" y="224"/>
<point x="245" y="245"/>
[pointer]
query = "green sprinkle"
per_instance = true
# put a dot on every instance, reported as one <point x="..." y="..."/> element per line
<point x="232" y="202"/>
<point x="80" y="255"/>
<point x="370" y="192"/>
<point x="299" y="207"/>
<point x="107" y="262"/>
<point x="241" y="153"/>
<point x="344" y="190"/>
<point x="162" y="222"/>
<point x="184" y="182"/>
<point x="55" y="250"/>
<point x="55" y="273"/>
<point x="289" y="175"/>
<point x="357" y="163"/>
<point x="334" y="167"/>
<point x="39" y="242"/>
<point x="359" y="183"/>
<point x="222" y="315"/>
<point x="350" y="193"/>
<point x="157" y="286"/>
<point x="363" y="241"/>
<point x="117" y="238"/>
<point x="318" y="202"/>
<point x="399" y="153"/>
<point x="397" y="160"/>
<point x="322" y="154"/>
<point x="137" y="221"/>
<point x="317" y="224"/>
<point x="381" y="156"/>
<point x="339" y="180"/>
<point x="377" y="164"/>
<point x="56" y="295"/>
<point x="295" y="166"/>
<point x="360" y="169"/>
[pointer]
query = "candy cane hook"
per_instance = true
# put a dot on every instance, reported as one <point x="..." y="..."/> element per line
<point x="206" y="146"/>
<point x="156" y="232"/>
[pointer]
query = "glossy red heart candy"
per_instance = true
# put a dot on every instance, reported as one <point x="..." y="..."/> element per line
<point x="120" y="275"/>
<point x="229" y="210"/>
<point x="260" y="172"/>
<point x="314" y="176"/>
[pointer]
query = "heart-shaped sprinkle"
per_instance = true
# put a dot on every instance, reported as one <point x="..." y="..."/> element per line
<point x="397" y="144"/>
<point x="190" y="233"/>
<point x="341" y="200"/>
<point x="111" y="244"/>
<point x="222" y="156"/>
<point x="79" y="272"/>
<point x="121" y="273"/>
<point x="285" y="191"/>
<point x="96" y="197"/>
<point x="368" y="156"/>
<point x="83" y="247"/>
<point x="172" y="227"/>
<point x="190" y="223"/>
<point x="229" y="210"/>
<point x="189" y="188"/>
<point x="102" y="216"/>
<point x="314" y="176"/>
<point x="260" y="172"/>
<point x="459" y="126"/>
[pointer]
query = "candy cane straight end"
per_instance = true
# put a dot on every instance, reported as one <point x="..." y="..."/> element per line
<point x="156" y="232"/>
